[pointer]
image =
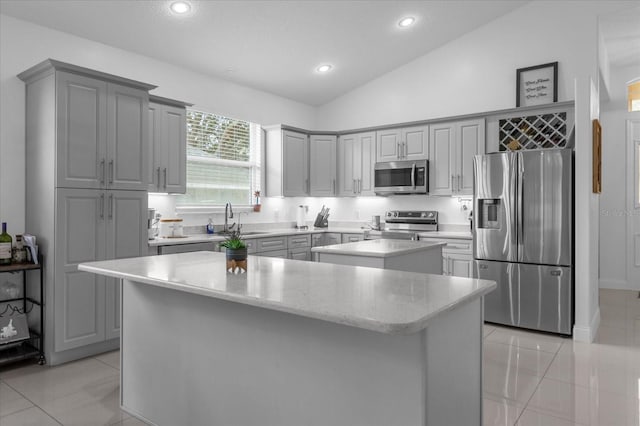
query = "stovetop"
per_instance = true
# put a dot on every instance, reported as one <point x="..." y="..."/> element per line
<point x="406" y="224"/>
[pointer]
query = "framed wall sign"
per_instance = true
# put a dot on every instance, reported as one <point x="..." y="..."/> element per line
<point x="537" y="85"/>
<point x="597" y="157"/>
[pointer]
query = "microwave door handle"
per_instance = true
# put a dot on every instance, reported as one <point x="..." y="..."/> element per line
<point x="413" y="175"/>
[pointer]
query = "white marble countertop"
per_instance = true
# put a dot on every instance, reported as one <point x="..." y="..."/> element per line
<point x="377" y="248"/>
<point x="447" y="234"/>
<point x="381" y="300"/>
<point x="251" y="234"/>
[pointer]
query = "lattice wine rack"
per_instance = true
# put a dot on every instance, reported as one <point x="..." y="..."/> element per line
<point x="533" y="131"/>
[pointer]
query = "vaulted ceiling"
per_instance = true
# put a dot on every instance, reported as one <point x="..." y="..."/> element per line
<point x="274" y="46"/>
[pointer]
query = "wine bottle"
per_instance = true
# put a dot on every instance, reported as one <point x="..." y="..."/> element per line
<point x="5" y="246"/>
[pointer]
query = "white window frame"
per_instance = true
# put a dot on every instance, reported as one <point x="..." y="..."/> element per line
<point x="254" y="164"/>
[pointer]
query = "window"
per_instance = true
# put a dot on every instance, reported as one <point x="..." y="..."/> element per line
<point x="223" y="160"/>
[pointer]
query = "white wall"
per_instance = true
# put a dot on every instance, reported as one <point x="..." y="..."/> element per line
<point x="613" y="204"/>
<point x="476" y="73"/>
<point x="23" y="45"/>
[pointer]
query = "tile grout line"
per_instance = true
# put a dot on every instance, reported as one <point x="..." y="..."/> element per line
<point x="33" y="406"/>
<point x="555" y="355"/>
<point x="107" y="364"/>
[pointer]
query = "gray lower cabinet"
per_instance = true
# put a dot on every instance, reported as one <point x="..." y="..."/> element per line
<point x="283" y="254"/>
<point x="299" y="247"/>
<point x="300" y="253"/>
<point x="326" y="239"/>
<point x="187" y="248"/>
<point x="92" y="225"/>
<point x="351" y="238"/>
<point x="457" y="256"/>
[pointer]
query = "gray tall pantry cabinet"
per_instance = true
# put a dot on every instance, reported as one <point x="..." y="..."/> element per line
<point x="86" y="156"/>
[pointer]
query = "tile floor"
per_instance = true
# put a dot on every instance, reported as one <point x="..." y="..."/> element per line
<point x="530" y="379"/>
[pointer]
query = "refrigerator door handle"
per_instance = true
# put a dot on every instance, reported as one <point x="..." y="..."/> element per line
<point x="520" y="213"/>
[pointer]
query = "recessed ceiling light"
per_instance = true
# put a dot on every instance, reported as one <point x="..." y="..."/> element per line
<point x="406" y="22"/>
<point x="324" y="68"/>
<point x="180" y="7"/>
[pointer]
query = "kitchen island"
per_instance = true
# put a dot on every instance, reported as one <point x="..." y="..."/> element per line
<point x="402" y="255"/>
<point x="296" y="343"/>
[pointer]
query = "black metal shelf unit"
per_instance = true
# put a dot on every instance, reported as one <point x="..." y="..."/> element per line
<point x="34" y="346"/>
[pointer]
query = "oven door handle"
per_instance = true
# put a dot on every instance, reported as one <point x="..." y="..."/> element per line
<point x="413" y="175"/>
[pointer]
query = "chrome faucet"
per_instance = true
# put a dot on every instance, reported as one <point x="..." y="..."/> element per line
<point x="228" y="214"/>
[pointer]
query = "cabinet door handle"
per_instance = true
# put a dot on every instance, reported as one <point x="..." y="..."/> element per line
<point x="102" y="171"/>
<point x="334" y="187"/>
<point x="354" y="186"/>
<point x="459" y="185"/>
<point x="306" y="186"/>
<point x="102" y="206"/>
<point x="165" y="178"/>
<point x="158" y="186"/>
<point x="110" y="171"/>
<point x="452" y="187"/>
<point x="359" y="186"/>
<point x="111" y="206"/>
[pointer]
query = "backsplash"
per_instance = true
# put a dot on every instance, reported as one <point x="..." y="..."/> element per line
<point x="344" y="211"/>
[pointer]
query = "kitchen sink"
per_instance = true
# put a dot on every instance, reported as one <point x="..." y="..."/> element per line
<point x="253" y="233"/>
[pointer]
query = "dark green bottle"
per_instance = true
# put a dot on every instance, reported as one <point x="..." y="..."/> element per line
<point x="5" y="246"/>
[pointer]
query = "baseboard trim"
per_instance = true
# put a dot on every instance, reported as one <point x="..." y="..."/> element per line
<point x="616" y="284"/>
<point x="587" y="334"/>
<point x="56" y="358"/>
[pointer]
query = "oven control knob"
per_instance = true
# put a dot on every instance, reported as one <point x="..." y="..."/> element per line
<point x="395" y="214"/>
<point x="424" y="214"/>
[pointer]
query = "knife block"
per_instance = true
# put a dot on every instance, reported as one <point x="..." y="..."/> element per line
<point x="320" y="222"/>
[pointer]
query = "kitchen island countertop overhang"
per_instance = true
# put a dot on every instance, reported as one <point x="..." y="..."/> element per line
<point x="386" y="301"/>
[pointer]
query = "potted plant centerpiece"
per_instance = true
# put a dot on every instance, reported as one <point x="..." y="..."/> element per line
<point x="236" y="251"/>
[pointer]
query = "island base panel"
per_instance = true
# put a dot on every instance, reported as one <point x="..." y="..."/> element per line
<point x="193" y="360"/>
<point x="426" y="261"/>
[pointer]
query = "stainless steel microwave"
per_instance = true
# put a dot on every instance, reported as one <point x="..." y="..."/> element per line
<point x="402" y="177"/>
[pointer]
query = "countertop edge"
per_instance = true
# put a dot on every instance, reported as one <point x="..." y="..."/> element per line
<point x="362" y="323"/>
<point x="346" y="252"/>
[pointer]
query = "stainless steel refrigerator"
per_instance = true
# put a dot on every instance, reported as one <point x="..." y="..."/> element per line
<point x="523" y="237"/>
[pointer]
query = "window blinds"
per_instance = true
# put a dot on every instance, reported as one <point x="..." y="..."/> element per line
<point x="223" y="160"/>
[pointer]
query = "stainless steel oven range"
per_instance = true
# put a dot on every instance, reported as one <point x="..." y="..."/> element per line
<point x="405" y="225"/>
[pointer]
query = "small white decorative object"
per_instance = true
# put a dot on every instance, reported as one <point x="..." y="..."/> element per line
<point x="13" y="328"/>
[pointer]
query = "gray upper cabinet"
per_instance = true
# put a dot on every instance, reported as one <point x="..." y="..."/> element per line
<point x="470" y="142"/>
<point x="415" y="142"/>
<point x="296" y="166"/>
<point x="409" y="143"/>
<point x="101" y="134"/>
<point x="127" y="137"/>
<point x="452" y="148"/>
<point x="167" y="158"/>
<point x="356" y="159"/>
<point x="389" y="145"/>
<point x="322" y="165"/>
<point x="81" y="156"/>
<point x="286" y="168"/>
<point x="441" y="158"/>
